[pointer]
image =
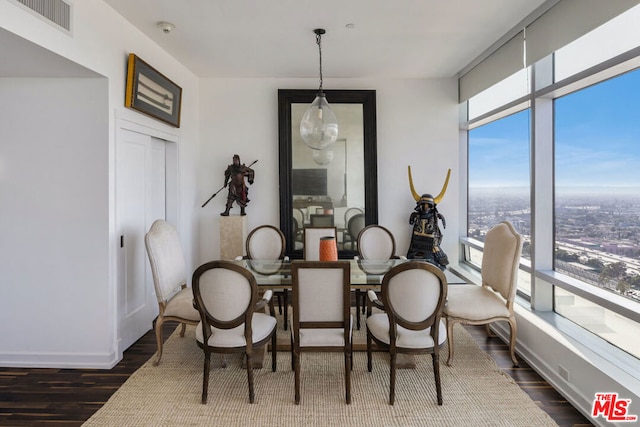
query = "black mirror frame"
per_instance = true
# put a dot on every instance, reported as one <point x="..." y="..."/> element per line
<point x="367" y="98"/>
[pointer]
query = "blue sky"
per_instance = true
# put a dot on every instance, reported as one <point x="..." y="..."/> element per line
<point x="597" y="140"/>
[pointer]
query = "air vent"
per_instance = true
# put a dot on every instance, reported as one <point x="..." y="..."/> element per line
<point x="55" y="11"/>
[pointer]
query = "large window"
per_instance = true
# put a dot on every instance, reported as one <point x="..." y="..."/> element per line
<point x="597" y="185"/>
<point x="581" y="224"/>
<point x="499" y="182"/>
<point x="597" y="203"/>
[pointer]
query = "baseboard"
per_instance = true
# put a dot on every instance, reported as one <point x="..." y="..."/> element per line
<point x="59" y="360"/>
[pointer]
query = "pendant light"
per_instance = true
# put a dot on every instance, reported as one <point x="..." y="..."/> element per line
<point x="319" y="126"/>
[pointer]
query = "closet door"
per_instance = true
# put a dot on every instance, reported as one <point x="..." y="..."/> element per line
<point x="140" y="200"/>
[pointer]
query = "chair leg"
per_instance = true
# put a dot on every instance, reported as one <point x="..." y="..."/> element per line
<point x="250" y="376"/>
<point x="183" y="328"/>
<point x="159" y="322"/>
<point x="274" y="352"/>
<point x="436" y="375"/>
<point x="296" y="364"/>
<point x="369" y="345"/>
<point x="286" y="309"/>
<point x="293" y="365"/>
<point x="392" y="379"/>
<point x="450" y="324"/>
<point x="358" y="308"/>
<point x="489" y="331"/>
<point x="348" y="365"/>
<point x="512" y="341"/>
<point x="205" y="377"/>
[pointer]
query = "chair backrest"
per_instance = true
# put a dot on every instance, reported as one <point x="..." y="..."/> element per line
<point x="321" y="294"/>
<point x="166" y="259"/>
<point x="349" y="213"/>
<point x="321" y="220"/>
<point x="312" y="237"/>
<point x="414" y="293"/>
<point x="355" y="225"/>
<point x="225" y="294"/>
<point x="265" y="242"/>
<point x="299" y="217"/>
<point x="376" y="243"/>
<point x="501" y="260"/>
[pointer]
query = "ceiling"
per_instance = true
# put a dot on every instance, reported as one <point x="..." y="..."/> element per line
<point x="365" y="38"/>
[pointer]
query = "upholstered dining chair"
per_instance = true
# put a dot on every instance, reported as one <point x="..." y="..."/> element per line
<point x="375" y="243"/>
<point x="493" y="300"/>
<point x="413" y="295"/>
<point x="354" y="226"/>
<point x="298" y="226"/>
<point x="175" y="299"/>
<point x="267" y="243"/>
<point x="312" y="235"/>
<point x="321" y="314"/>
<point x="349" y="213"/>
<point x="231" y="321"/>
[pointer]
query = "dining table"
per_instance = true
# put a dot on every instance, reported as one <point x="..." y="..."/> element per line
<point x="365" y="275"/>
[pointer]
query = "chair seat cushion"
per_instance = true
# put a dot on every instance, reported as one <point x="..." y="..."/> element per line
<point x="181" y="305"/>
<point x="323" y="337"/>
<point x="261" y="327"/>
<point x="474" y="302"/>
<point x="378" y="325"/>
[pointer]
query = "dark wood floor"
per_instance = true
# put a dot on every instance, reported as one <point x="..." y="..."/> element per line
<point x="68" y="397"/>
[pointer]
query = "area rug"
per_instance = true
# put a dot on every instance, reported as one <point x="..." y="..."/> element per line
<point x="475" y="392"/>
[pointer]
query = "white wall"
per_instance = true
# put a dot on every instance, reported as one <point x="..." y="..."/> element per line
<point x="417" y="122"/>
<point x="58" y="275"/>
<point x="54" y="219"/>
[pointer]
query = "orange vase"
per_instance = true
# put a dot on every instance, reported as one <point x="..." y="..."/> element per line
<point x="328" y="249"/>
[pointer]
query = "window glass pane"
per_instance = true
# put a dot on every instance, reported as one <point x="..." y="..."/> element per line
<point x="597" y="185"/>
<point x="612" y="327"/>
<point x="610" y="39"/>
<point x="499" y="177"/>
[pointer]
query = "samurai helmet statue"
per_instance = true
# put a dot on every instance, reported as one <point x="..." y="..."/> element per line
<point x="428" y="199"/>
<point x="426" y="236"/>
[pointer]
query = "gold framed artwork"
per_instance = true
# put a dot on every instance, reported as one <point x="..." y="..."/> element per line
<point x="150" y="92"/>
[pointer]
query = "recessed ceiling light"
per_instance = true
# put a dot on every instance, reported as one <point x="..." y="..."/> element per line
<point x="350" y="26"/>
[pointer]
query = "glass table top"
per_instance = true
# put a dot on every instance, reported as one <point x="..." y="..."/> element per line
<point x="364" y="273"/>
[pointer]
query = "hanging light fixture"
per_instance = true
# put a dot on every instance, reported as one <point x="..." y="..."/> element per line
<point x="319" y="126"/>
<point x="323" y="157"/>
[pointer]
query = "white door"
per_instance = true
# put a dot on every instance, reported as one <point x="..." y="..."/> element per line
<point x="140" y="200"/>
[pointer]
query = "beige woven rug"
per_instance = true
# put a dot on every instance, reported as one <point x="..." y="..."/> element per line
<point x="475" y="392"/>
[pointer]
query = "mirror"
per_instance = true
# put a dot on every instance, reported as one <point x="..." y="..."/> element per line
<point x="334" y="187"/>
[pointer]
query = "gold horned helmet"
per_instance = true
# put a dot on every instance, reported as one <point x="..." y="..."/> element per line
<point x="428" y="198"/>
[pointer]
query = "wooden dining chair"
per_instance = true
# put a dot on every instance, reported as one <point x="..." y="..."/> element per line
<point x="374" y="243"/>
<point x="493" y="301"/>
<point x="267" y="243"/>
<point x="231" y="321"/>
<point x="321" y="314"/>
<point x="175" y="298"/>
<point x="413" y="295"/>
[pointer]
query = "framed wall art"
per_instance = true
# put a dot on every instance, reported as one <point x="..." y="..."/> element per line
<point x="151" y="93"/>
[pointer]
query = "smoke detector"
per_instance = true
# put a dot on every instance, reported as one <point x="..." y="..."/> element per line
<point x="166" y="27"/>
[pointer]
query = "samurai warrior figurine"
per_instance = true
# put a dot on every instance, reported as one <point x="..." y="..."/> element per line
<point x="234" y="178"/>
<point x="426" y="236"/>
